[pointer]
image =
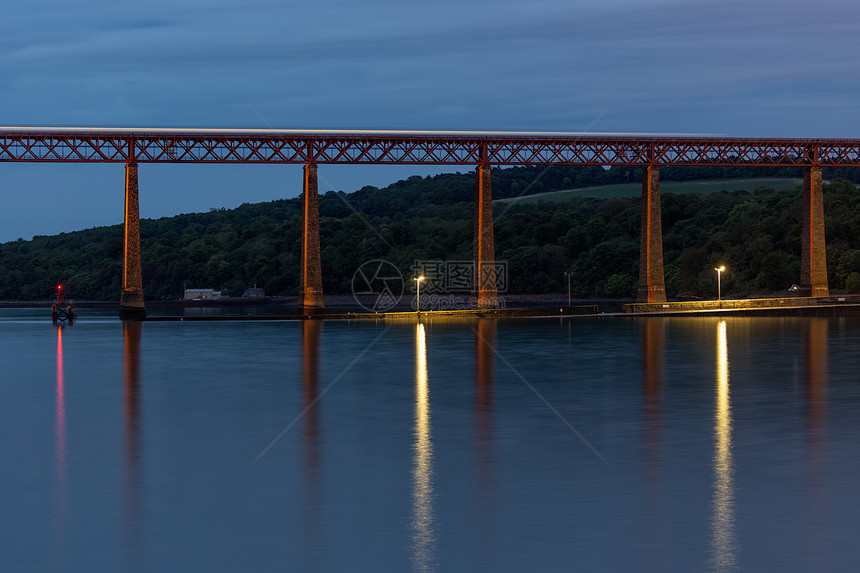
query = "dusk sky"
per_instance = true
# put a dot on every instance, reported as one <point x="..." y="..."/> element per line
<point x="751" y="68"/>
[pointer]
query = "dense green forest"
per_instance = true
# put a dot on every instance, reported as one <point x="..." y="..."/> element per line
<point x="755" y="234"/>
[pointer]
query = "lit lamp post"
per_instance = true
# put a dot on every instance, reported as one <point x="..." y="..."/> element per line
<point x="568" y="275"/>
<point x="719" y="272"/>
<point x="418" y="290"/>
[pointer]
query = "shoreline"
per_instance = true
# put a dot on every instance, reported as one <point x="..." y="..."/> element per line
<point x="526" y="306"/>
<point x="511" y="301"/>
<point x="342" y="301"/>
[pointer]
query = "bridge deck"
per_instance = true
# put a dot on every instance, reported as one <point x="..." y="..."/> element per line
<point x="94" y="145"/>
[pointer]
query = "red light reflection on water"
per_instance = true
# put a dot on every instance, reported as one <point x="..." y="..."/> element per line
<point x="60" y="457"/>
<point x="60" y="429"/>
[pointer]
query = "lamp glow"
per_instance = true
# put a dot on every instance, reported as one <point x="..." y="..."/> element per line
<point x="719" y="270"/>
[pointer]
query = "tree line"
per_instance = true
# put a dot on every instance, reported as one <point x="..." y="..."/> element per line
<point x="756" y="234"/>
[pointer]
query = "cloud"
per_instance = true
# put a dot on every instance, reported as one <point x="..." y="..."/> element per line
<point x="755" y="67"/>
<point x="398" y="60"/>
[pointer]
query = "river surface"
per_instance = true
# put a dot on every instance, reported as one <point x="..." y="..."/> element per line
<point x="613" y="444"/>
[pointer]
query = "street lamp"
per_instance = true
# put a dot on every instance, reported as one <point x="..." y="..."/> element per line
<point x="418" y="290"/>
<point x="719" y="271"/>
<point x="568" y="275"/>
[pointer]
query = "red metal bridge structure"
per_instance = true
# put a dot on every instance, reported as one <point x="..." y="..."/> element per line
<point x="482" y="150"/>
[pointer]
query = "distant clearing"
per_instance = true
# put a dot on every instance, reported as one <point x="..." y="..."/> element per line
<point x="704" y="186"/>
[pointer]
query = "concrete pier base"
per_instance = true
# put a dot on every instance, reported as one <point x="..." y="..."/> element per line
<point x="131" y="305"/>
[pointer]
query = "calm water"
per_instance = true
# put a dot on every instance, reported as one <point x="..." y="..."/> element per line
<point x="596" y="445"/>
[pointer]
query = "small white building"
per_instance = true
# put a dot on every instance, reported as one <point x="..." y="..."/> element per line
<point x="202" y="294"/>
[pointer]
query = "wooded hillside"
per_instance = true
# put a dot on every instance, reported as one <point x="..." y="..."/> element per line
<point x="755" y="234"/>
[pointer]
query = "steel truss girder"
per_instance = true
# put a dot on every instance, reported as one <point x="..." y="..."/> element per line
<point x="175" y="146"/>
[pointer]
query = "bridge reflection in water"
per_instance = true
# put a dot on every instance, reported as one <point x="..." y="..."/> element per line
<point x="815" y="354"/>
<point x="485" y="357"/>
<point x="816" y="381"/>
<point x="721" y="513"/>
<point x="423" y="536"/>
<point x="653" y="334"/>
<point x="132" y="331"/>
<point x="311" y="503"/>
<point x="485" y="340"/>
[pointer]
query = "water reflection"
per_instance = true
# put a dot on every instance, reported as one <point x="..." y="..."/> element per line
<point x="311" y="332"/>
<point x="423" y="538"/>
<point x="485" y="341"/>
<point x="131" y="331"/>
<point x="653" y="336"/>
<point x="723" y="536"/>
<point x="60" y="452"/>
<point x="60" y="428"/>
<point x="815" y="352"/>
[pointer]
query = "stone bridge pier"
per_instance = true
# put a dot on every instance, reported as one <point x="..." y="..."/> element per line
<point x="484" y="287"/>
<point x="813" y="257"/>
<point x="131" y="300"/>
<point x="652" y="287"/>
<point x="310" y="286"/>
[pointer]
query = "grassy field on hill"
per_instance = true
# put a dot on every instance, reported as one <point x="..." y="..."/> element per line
<point x="705" y="187"/>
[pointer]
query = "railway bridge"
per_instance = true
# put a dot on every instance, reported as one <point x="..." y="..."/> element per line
<point x="481" y="150"/>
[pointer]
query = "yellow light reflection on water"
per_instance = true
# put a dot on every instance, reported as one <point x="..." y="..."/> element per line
<point x="722" y="526"/>
<point x="423" y="538"/>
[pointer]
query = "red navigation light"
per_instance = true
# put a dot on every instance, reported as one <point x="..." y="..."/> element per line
<point x="59" y="287"/>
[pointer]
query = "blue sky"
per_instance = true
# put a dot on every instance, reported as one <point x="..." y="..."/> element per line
<point x="751" y="68"/>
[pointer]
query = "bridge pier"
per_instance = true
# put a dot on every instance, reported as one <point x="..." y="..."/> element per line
<point x="131" y="300"/>
<point x="652" y="287"/>
<point x="813" y="258"/>
<point x="310" y="287"/>
<point x="484" y="271"/>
